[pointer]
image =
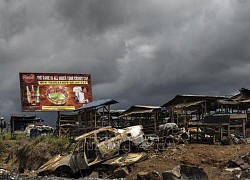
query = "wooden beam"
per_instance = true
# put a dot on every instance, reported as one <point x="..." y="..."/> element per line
<point x="244" y="128"/>
<point x="109" y="114"/>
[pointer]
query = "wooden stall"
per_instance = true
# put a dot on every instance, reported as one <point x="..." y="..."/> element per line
<point x="211" y="116"/>
<point x="85" y="119"/>
<point x="147" y="116"/>
<point x="185" y="108"/>
<point x="214" y="128"/>
<point x="20" y="122"/>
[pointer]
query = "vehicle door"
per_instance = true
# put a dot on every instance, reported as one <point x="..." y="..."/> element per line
<point x="79" y="155"/>
<point x="90" y="149"/>
<point x="108" y="143"/>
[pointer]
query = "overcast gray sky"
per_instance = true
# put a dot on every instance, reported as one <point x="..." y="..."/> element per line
<point x="137" y="51"/>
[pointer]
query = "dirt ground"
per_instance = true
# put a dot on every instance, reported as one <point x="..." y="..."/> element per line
<point x="212" y="158"/>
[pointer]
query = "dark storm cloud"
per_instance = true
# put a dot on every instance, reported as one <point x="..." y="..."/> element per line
<point x="92" y="16"/>
<point x="12" y="23"/>
<point x="138" y="52"/>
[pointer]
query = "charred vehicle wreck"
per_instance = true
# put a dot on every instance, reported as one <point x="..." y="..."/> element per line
<point x="93" y="148"/>
<point x="170" y="132"/>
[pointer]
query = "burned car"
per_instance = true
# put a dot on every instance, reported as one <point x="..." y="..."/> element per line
<point x="170" y="133"/>
<point x="93" y="148"/>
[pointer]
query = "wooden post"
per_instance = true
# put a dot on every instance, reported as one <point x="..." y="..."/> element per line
<point x="197" y="132"/>
<point x="156" y="118"/>
<point x="244" y="128"/>
<point x="177" y="122"/>
<point x="205" y="108"/>
<point x="109" y="114"/>
<point x="172" y="114"/>
<point x="95" y="117"/>
<point x="12" y="128"/>
<point x="221" y="132"/>
<point x="102" y="115"/>
<point x="185" y="119"/>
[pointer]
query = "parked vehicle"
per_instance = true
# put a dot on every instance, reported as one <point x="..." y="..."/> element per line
<point x="93" y="148"/>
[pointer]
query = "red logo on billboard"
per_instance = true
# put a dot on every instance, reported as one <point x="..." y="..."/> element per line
<point x="28" y="78"/>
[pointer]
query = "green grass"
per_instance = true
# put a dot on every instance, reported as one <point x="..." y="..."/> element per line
<point x="50" y="139"/>
<point x="53" y="140"/>
<point x="17" y="136"/>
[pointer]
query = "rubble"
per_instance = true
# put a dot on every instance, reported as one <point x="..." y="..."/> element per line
<point x="241" y="166"/>
<point x="185" y="172"/>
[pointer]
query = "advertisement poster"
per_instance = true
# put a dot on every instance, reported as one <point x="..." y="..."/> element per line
<point x="54" y="91"/>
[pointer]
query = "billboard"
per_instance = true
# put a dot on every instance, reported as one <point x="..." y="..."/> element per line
<point x="54" y="91"/>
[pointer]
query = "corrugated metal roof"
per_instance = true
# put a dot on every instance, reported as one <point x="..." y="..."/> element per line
<point x="245" y="101"/>
<point x="178" y="99"/>
<point x="138" y="112"/>
<point x="69" y="113"/>
<point x="148" y="107"/>
<point x="187" y="105"/>
<point x="24" y="116"/>
<point x="140" y="109"/>
<point x="228" y="102"/>
<point x="98" y="104"/>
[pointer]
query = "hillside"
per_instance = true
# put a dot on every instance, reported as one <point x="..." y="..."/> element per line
<point x="26" y="155"/>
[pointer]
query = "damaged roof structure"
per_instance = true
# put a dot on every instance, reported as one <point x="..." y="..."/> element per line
<point x="239" y="102"/>
<point x="220" y="115"/>
<point x="181" y="99"/>
<point x="147" y="116"/>
<point x="97" y="104"/>
<point x="184" y="110"/>
<point x="85" y="118"/>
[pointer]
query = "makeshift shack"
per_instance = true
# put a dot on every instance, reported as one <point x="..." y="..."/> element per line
<point x="147" y="116"/>
<point x="211" y="116"/>
<point x="86" y="118"/>
<point x="116" y="120"/>
<point x="185" y="108"/>
<point x="215" y="127"/>
<point x="20" y="122"/>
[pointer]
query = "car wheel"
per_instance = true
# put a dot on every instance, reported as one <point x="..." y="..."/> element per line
<point x="63" y="171"/>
